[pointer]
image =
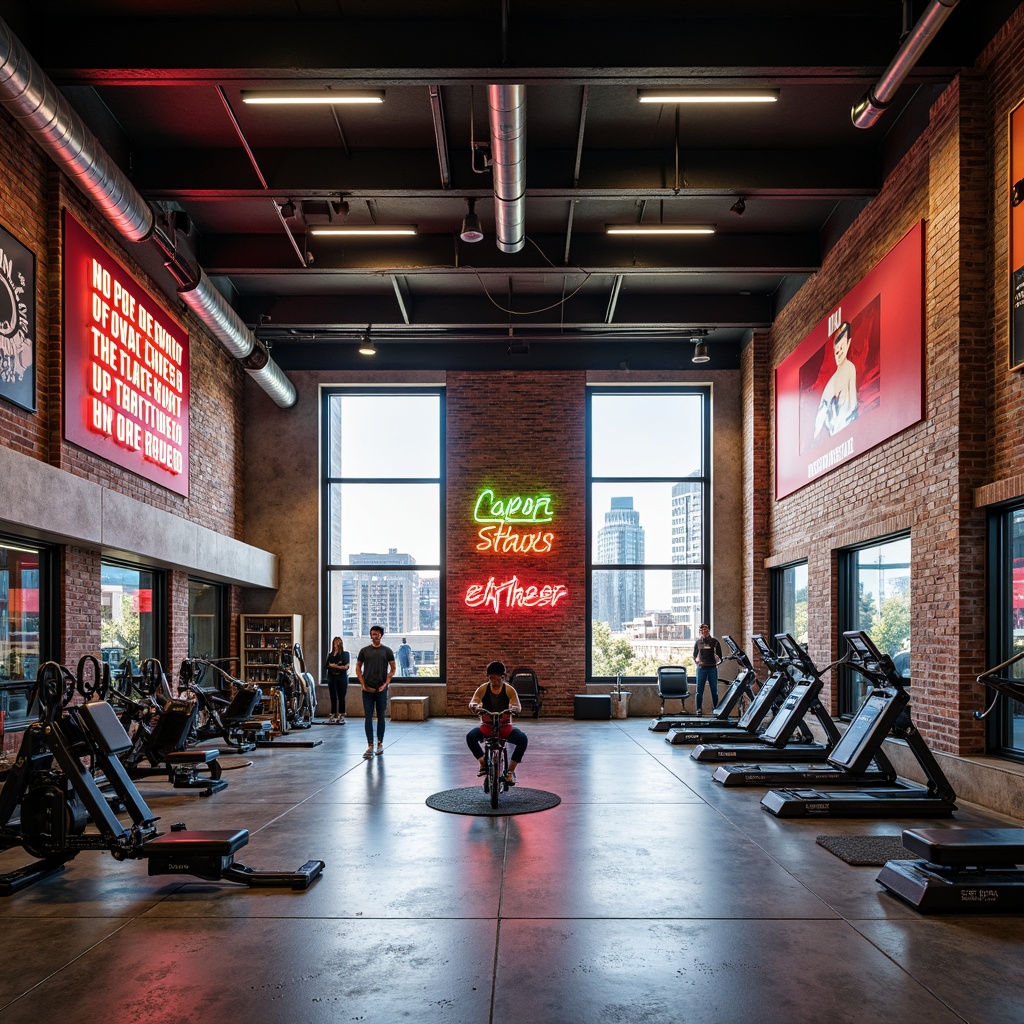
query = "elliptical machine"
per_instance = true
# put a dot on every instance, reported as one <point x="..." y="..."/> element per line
<point x="298" y="688"/>
<point x="50" y="797"/>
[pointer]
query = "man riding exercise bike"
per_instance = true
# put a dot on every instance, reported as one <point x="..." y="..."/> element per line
<point x="497" y="696"/>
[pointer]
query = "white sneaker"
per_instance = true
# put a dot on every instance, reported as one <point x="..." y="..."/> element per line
<point x="332" y="719"/>
<point x="340" y="720"/>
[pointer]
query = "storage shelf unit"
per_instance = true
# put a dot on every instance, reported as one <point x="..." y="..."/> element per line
<point x="263" y="639"/>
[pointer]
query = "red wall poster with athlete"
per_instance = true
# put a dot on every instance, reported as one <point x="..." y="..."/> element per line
<point x="857" y="378"/>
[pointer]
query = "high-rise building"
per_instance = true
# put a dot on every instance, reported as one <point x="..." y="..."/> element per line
<point x="390" y="599"/>
<point x="687" y="549"/>
<point x="619" y="593"/>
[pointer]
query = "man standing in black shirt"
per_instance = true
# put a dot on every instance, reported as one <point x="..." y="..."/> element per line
<point x="374" y="668"/>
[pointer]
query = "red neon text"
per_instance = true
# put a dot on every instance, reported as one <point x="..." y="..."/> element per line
<point x="502" y="539"/>
<point x="512" y="594"/>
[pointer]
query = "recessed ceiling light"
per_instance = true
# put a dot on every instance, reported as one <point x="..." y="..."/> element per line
<point x="708" y="95"/>
<point x="311" y="96"/>
<point x="365" y="232"/>
<point x="660" y="229"/>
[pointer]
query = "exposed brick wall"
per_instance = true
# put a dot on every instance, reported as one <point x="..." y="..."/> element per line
<point x="541" y="448"/>
<point x="925" y="478"/>
<point x="33" y="194"/>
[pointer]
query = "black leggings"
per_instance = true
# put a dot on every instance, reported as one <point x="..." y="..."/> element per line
<point x="338" y="689"/>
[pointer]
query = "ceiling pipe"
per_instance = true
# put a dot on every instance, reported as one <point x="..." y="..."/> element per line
<point x="507" y="108"/>
<point x="874" y="102"/>
<point x="42" y="110"/>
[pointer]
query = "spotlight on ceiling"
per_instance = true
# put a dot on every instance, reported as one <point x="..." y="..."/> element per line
<point x="367" y="347"/>
<point x="739" y="207"/>
<point x="471" y="230"/>
<point x="700" y="351"/>
<point x="708" y="95"/>
<point x="306" y="97"/>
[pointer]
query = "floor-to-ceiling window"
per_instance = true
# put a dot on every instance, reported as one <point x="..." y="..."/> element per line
<point x="649" y="467"/>
<point x="383" y="524"/>
<point x="875" y="598"/>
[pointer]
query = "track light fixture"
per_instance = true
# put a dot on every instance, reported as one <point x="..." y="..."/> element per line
<point x="700" y="351"/>
<point x="307" y="97"/>
<point x="367" y="347"/>
<point x="708" y="95"/>
<point x="739" y="207"/>
<point x="471" y="230"/>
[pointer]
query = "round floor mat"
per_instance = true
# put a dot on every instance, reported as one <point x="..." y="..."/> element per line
<point x="473" y="800"/>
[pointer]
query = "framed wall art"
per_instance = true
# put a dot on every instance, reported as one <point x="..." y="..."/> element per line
<point x="17" y="322"/>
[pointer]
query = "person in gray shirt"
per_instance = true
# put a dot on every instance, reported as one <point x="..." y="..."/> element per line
<point x="375" y="666"/>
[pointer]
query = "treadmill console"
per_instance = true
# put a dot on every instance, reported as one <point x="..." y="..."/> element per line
<point x="796" y="654"/>
<point x="737" y="652"/>
<point x="768" y="656"/>
<point x="873" y="722"/>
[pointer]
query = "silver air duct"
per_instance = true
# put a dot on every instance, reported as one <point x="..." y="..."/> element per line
<point x="507" y="108"/>
<point x="871" y="105"/>
<point x="41" y="109"/>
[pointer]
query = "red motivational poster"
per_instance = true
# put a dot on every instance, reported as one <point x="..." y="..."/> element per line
<point x="126" y="382"/>
<point x="857" y="378"/>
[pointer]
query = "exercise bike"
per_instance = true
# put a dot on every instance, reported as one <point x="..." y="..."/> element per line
<point x="219" y="717"/>
<point x="495" y="754"/>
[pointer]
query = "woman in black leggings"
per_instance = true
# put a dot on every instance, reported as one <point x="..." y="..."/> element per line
<point x="337" y="681"/>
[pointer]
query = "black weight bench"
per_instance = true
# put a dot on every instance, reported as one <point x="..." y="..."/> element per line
<point x="960" y="870"/>
<point x="210" y="855"/>
<point x="182" y="766"/>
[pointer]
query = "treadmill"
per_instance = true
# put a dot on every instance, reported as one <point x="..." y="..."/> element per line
<point x="746" y="730"/>
<point x="740" y="687"/>
<point x="774" y="743"/>
<point x="885" y="711"/>
<point x="879" y="772"/>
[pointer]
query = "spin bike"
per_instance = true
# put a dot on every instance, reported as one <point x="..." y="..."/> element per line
<point x="495" y="754"/>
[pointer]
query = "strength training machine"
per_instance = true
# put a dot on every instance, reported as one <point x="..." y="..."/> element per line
<point x="50" y="797"/>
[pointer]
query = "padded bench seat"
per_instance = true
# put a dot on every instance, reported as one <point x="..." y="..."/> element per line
<point x="409" y="709"/>
<point x="966" y="847"/>
<point x="192" y="756"/>
<point x="203" y="842"/>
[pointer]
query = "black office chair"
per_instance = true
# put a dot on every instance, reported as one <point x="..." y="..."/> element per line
<point x="673" y="684"/>
<point x="524" y="681"/>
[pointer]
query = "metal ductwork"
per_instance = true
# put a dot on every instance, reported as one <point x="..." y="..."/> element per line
<point x="507" y="109"/>
<point x="872" y="104"/>
<point x="42" y="110"/>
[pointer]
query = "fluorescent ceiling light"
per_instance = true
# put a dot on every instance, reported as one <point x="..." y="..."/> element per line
<point x="312" y="96"/>
<point x="660" y="229"/>
<point x="366" y="232"/>
<point x="708" y="95"/>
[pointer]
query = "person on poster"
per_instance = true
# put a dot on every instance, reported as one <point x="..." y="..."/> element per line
<point x="838" y="405"/>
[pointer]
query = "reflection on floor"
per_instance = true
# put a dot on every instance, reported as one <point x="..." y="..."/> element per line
<point x="649" y="894"/>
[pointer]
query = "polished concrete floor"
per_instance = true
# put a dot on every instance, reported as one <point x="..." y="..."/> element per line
<point x="649" y="894"/>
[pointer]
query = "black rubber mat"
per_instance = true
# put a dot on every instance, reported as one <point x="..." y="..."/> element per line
<point x="473" y="800"/>
<point x="872" y="850"/>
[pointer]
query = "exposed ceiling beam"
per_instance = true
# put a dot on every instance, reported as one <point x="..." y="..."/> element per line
<point x="296" y="173"/>
<point x="240" y="255"/>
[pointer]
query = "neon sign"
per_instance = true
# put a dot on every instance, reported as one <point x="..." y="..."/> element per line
<point x="512" y="594"/>
<point x="126" y="367"/>
<point x="515" y="509"/>
<point x="498" y="534"/>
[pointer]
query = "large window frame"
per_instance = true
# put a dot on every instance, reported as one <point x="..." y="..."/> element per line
<point x="28" y="635"/>
<point x="788" y="612"/>
<point x="152" y="624"/>
<point x="208" y="620"/>
<point x="667" y="649"/>
<point x="428" y="651"/>
<point x="1005" y="724"/>
<point x="852" y="685"/>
